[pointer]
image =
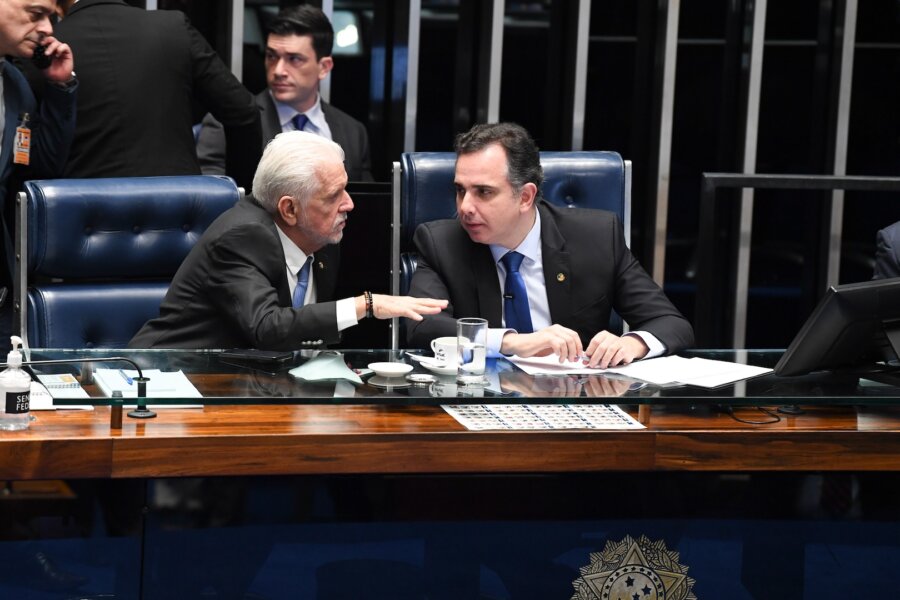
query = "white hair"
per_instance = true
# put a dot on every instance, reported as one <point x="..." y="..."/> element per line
<point x="289" y="167"/>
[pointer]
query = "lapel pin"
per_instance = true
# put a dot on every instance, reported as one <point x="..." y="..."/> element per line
<point x="321" y="265"/>
<point x="560" y="277"/>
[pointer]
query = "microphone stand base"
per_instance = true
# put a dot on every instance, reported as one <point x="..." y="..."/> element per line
<point x="141" y="413"/>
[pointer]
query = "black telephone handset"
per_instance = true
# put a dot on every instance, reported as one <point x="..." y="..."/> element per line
<point x="39" y="59"/>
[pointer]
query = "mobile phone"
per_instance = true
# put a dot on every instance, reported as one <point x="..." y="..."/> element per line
<point x="39" y="59"/>
<point x="269" y="357"/>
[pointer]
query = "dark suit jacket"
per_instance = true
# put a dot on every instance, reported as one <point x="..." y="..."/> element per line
<point x="232" y="291"/>
<point x="589" y="272"/>
<point x="347" y="132"/>
<point x="887" y="260"/>
<point x="52" y="129"/>
<point x="146" y="78"/>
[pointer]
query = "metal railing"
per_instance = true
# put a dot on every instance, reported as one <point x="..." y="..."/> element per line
<point x="710" y="297"/>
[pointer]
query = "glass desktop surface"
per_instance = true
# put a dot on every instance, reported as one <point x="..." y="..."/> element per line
<point x="228" y="382"/>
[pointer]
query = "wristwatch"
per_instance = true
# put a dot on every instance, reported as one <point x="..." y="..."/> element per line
<point x="68" y="84"/>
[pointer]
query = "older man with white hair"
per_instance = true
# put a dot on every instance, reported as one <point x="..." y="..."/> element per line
<point x="264" y="273"/>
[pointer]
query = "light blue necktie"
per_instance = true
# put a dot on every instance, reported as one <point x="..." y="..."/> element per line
<point x="299" y="121"/>
<point x="515" y="298"/>
<point x="302" y="283"/>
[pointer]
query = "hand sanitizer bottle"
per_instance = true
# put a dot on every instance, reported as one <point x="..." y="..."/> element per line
<point x="15" y="391"/>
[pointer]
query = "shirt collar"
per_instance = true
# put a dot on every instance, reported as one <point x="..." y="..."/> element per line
<point x="287" y="112"/>
<point x="530" y="246"/>
<point x="294" y="257"/>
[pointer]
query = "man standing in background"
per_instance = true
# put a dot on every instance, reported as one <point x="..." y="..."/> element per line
<point x="144" y="75"/>
<point x="33" y="143"/>
<point x="298" y="57"/>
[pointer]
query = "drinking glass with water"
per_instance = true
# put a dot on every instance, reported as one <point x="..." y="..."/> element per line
<point x="471" y="345"/>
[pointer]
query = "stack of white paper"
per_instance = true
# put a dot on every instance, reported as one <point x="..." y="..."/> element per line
<point x="666" y="370"/>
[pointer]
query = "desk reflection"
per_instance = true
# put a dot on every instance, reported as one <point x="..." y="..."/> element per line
<point x="590" y="386"/>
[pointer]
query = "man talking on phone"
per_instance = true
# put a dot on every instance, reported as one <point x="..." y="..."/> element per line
<point x="34" y="143"/>
<point x="264" y="274"/>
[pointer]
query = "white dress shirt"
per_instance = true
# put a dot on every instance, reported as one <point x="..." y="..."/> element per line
<point x="294" y="259"/>
<point x="532" y="271"/>
<point x="317" y="123"/>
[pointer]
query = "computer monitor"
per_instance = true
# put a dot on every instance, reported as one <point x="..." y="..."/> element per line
<point x="854" y="325"/>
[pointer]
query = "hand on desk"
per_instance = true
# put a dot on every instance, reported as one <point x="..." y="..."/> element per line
<point x="592" y="386"/>
<point x="555" y="339"/>
<point x="605" y="349"/>
<point x="610" y="350"/>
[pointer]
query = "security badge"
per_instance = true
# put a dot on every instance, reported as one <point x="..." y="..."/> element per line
<point x="22" y="143"/>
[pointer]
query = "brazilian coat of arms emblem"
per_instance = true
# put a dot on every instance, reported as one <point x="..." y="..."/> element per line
<point x="634" y="570"/>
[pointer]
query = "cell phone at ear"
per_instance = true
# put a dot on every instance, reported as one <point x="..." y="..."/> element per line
<point x="39" y="59"/>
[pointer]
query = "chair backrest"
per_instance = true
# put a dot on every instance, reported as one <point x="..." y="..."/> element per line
<point x="576" y="179"/>
<point x="97" y="255"/>
<point x="423" y="191"/>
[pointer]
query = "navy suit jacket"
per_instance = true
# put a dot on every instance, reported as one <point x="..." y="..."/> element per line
<point x="887" y="259"/>
<point x="347" y="132"/>
<point x="588" y="268"/>
<point x="146" y="78"/>
<point x="232" y="292"/>
<point x="52" y="128"/>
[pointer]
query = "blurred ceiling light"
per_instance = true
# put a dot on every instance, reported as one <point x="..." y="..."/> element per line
<point x="348" y="36"/>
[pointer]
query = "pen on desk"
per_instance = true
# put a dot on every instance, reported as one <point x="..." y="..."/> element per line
<point x="127" y="379"/>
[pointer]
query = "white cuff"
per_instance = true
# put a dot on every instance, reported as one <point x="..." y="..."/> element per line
<point x="346" y="313"/>
<point x="657" y="348"/>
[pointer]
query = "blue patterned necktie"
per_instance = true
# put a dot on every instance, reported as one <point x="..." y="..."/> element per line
<point x="515" y="298"/>
<point x="299" y="121"/>
<point x="302" y="283"/>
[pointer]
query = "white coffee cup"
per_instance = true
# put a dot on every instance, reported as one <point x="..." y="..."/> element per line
<point x="444" y="349"/>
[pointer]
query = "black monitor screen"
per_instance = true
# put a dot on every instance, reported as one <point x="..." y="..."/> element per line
<point x="853" y="325"/>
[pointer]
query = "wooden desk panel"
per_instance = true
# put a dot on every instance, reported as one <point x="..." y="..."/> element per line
<point x="322" y="439"/>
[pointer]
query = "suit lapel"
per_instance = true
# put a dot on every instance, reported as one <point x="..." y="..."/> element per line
<point x="338" y="135"/>
<point x="484" y="273"/>
<point x="325" y="270"/>
<point x="271" y="126"/>
<point x="557" y="267"/>
<point x="9" y="127"/>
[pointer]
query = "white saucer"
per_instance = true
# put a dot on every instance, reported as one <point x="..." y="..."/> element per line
<point x="390" y="369"/>
<point x="440" y="369"/>
<point x="388" y="382"/>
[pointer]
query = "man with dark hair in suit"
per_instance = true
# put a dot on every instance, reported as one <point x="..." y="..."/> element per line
<point x="298" y="57"/>
<point x="144" y="75"/>
<point x="545" y="278"/>
<point x="33" y="142"/>
<point x="263" y="275"/>
<point x="887" y="252"/>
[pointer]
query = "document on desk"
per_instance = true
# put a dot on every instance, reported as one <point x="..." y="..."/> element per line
<point x="665" y="370"/>
<point x="42" y="396"/>
<point x="484" y="417"/>
<point x="162" y="384"/>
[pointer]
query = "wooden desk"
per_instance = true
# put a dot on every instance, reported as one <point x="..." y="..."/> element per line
<point x="378" y="439"/>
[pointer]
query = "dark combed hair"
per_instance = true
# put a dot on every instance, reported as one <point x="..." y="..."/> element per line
<point x="522" y="156"/>
<point x="305" y="20"/>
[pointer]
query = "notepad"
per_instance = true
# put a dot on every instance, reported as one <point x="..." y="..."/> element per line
<point x="62" y="385"/>
<point x="42" y="400"/>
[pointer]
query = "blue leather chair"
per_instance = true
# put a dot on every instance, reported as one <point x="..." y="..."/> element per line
<point x="423" y="191"/>
<point x="97" y="255"/>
